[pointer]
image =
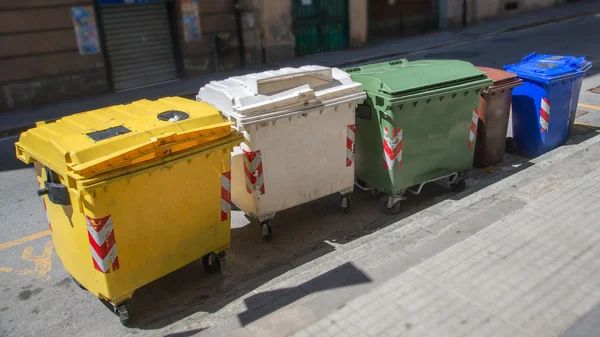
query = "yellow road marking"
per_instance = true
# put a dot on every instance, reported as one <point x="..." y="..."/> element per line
<point x="587" y="126"/>
<point x="593" y="62"/>
<point x="5" y="270"/>
<point x="25" y="239"/>
<point x="590" y="106"/>
<point x="43" y="263"/>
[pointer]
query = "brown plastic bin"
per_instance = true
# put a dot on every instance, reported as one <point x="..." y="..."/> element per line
<point x="493" y="113"/>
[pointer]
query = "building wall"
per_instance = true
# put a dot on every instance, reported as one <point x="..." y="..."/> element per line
<point x="39" y="58"/>
<point x="218" y="18"/>
<point x="277" y="29"/>
<point x="479" y="10"/>
<point x="358" y="12"/>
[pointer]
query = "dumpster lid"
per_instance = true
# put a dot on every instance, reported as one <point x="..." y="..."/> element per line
<point x="549" y="67"/>
<point x="277" y="90"/>
<point x="502" y="79"/>
<point x="402" y="77"/>
<point x="102" y="140"/>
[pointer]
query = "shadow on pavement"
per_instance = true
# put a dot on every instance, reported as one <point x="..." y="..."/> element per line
<point x="8" y="157"/>
<point x="586" y="326"/>
<point x="185" y="333"/>
<point x="264" y="303"/>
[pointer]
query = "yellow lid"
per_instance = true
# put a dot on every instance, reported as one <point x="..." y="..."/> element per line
<point x="102" y="140"/>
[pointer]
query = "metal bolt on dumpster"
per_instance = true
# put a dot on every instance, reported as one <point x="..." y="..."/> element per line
<point x="494" y="113"/>
<point x="134" y="192"/>
<point x="545" y="105"/>
<point x="417" y="125"/>
<point x="298" y="125"/>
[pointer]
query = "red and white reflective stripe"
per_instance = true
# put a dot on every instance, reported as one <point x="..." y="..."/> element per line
<point x="102" y="243"/>
<point x="392" y="148"/>
<point x="350" y="145"/>
<point x="253" y="169"/>
<point x="225" y="195"/>
<point x="473" y="129"/>
<point x="544" y="114"/>
<point x="45" y="209"/>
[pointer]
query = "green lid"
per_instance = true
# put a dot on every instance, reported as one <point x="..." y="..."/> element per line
<point x="402" y="77"/>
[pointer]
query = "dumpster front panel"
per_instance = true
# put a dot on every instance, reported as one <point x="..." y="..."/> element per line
<point x="493" y="113"/>
<point x="541" y="115"/>
<point x="136" y="228"/>
<point x="408" y="143"/>
<point x="294" y="160"/>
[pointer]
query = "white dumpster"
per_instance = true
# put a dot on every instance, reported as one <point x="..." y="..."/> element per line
<point x="298" y="125"/>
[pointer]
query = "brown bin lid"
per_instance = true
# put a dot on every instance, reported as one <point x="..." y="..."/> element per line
<point x="501" y="78"/>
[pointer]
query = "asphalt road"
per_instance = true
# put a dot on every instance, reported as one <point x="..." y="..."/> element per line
<point x="37" y="296"/>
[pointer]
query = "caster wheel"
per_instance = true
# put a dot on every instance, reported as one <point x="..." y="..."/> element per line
<point x="459" y="186"/>
<point x="123" y="313"/>
<point x="511" y="145"/>
<point x="267" y="230"/>
<point x="77" y="283"/>
<point x="211" y="263"/>
<point x="384" y="205"/>
<point x="346" y="204"/>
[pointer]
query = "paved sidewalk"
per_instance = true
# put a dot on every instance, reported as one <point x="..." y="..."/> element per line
<point x="517" y="258"/>
<point x="534" y="273"/>
<point x="12" y="122"/>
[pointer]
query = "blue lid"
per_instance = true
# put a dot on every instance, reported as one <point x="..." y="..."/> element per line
<point x="547" y="68"/>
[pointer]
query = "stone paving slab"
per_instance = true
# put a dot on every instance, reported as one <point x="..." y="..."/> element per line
<point x="533" y="273"/>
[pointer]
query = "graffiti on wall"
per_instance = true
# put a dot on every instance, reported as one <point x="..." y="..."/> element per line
<point x="86" y="32"/>
<point x="191" y="20"/>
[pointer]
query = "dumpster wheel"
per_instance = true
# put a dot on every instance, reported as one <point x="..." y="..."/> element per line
<point x="267" y="230"/>
<point x="346" y="204"/>
<point x="511" y="145"/>
<point x="77" y="283"/>
<point x="389" y="205"/>
<point x="211" y="263"/>
<point x="459" y="186"/>
<point x="122" y="311"/>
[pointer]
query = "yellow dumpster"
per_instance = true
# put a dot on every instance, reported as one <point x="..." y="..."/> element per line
<point x="134" y="192"/>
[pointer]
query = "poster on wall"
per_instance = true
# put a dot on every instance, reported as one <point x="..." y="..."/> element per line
<point x="86" y="32"/>
<point x="191" y="20"/>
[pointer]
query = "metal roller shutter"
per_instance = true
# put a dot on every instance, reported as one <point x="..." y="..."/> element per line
<point x="139" y="44"/>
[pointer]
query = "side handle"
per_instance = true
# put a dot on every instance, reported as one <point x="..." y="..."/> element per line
<point x="57" y="193"/>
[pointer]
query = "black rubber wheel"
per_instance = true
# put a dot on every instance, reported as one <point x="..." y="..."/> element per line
<point x="267" y="230"/>
<point x="459" y="186"/>
<point x="77" y="283"/>
<point x="383" y="206"/>
<point x="511" y="146"/>
<point x="348" y="204"/>
<point x="211" y="263"/>
<point x="123" y="312"/>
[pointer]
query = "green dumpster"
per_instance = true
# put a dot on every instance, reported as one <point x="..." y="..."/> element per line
<point x="417" y="125"/>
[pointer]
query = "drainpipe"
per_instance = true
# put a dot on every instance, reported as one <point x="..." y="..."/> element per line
<point x="442" y="9"/>
<point x="239" y="31"/>
<point x="464" y="13"/>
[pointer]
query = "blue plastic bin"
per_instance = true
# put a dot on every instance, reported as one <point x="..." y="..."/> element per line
<point x="544" y="106"/>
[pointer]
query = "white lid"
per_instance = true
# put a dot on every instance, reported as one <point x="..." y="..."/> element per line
<point x="284" y="90"/>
